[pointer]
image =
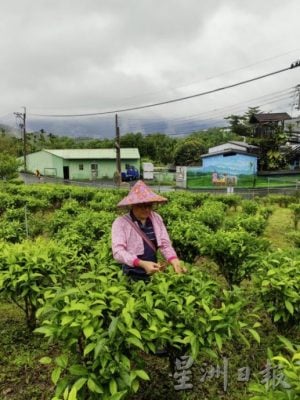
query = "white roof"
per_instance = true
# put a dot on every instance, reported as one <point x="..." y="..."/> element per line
<point x="84" y="154"/>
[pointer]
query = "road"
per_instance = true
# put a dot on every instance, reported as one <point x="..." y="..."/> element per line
<point x="32" y="179"/>
<point x="246" y="193"/>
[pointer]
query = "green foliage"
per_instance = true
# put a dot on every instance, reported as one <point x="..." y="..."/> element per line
<point x="249" y="207"/>
<point x="286" y="386"/>
<point x="294" y="237"/>
<point x="266" y="211"/>
<point x="277" y="281"/>
<point x="5" y="200"/>
<point x="106" y="322"/>
<point x="232" y="251"/>
<point x="13" y="232"/>
<point x="8" y="166"/>
<point x="81" y="232"/>
<point x="189" y="152"/>
<point x="186" y="200"/>
<point x="187" y="238"/>
<point x="295" y="207"/>
<point x="9" y="144"/>
<point x="107" y="200"/>
<point x="281" y="200"/>
<point x="28" y="268"/>
<point x="211" y="214"/>
<point x="252" y="224"/>
<point x="239" y="124"/>
<point x="232" y="201"/>
<point x="267" y="139"/>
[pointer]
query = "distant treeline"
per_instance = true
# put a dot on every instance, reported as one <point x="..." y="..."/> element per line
<point x="157" y="147"/>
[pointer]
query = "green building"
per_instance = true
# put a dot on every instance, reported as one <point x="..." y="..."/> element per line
<point x="81" y="164"/>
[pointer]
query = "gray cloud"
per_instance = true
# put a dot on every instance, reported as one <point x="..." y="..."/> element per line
<point x="61" y="56"/>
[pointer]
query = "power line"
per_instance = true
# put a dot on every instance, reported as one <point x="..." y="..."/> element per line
<point x="187" y="84"/>
<point x="210" y="114"/>
<point x="253" y="99"/>
<point x="217" y="113"/>
<point x="292" y="66"/>
<point x="181" y="128"/>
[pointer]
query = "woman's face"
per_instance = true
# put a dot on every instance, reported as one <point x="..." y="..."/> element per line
<point x="142" y="211"/>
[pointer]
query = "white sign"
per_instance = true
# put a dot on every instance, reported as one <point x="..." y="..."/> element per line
<point x="181" y="176"/>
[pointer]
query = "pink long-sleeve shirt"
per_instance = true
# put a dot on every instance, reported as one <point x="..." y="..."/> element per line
<point x="127" y="244"/>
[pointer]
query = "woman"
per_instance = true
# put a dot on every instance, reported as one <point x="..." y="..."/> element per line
<point x="137" y="236"/>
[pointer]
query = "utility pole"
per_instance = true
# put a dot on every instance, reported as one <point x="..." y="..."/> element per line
<point x="297" y="95"/>
<point x="22" y="125"/>
<point x="118" y="153"/>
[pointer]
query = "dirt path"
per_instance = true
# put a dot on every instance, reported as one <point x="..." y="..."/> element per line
<point x="279" y="224"/>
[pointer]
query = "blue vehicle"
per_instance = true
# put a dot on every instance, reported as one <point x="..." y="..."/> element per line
<point x="131" y="174"/>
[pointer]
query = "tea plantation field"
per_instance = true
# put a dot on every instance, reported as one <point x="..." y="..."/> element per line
<point x="73" y="327"/>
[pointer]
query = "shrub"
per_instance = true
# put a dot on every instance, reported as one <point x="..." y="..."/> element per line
<point x="253" y="224"/>
<point x="211" y="214"/>
<point x="13" y="232"/>
<point x="28" y="268"/>
<point x="288" y="369"/>
<point x="249" y="207"/>
<point x="295" y="207"/>
<point x="232" y="251"/>
<point x="277" y="281"/>
<point x="187" y="238"/>
<point x="232" y="201"/>
<point x="105" y="322"/>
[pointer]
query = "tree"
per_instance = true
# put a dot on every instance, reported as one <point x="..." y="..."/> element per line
<point x="188" y="152"/>
<point x="161" y="147"/>
<point x="268" y="142"/>
<point x="9" y="166"/>
<point x="10" y="144"/>
<point x="157" y="147"/>
<point x="271" y="157"/>
<point x="213" y="137"/>
<point x="239" y="124"/>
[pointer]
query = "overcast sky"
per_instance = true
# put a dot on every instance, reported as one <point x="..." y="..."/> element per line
<point x="85" y="56"/>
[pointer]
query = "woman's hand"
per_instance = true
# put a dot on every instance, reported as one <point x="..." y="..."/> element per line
<point x="177" y="266"/>
<point x="149" y="266"/>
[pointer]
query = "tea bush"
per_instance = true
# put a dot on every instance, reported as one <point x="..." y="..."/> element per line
<point x="277" y="281"/>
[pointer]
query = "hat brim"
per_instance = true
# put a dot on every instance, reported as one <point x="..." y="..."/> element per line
<point x="140" y="193"/>
<point x="127" y="203"/>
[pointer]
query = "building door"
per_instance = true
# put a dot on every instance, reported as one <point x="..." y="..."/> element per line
<point x="66" y="173"/>
<point x="94" y="171"/>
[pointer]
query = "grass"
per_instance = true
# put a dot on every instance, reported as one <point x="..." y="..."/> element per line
<point x="279" y="224"/>
<point x="21" y="375"/>
<point x="204" y="181"/>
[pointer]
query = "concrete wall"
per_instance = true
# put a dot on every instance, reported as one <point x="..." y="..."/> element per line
<point x="46" y="163"/>
<point x="105" y="168"/>
<point x="49" y="164"/>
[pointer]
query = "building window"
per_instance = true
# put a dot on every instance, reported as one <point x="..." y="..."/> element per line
<point x="94" y="167"/>
<point x="80" y="167"/>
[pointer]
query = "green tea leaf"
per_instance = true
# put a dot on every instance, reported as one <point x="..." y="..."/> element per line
<point x="136" y="342"/>
<point x="45" y="360"/>
<point x="289" y="306"/>
<point x="142" y="374"/>
<point x="55" y="375"/>
<point x="254" y="334"/>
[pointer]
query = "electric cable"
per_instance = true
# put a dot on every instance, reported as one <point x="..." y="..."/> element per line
<point x="292" y="66"/>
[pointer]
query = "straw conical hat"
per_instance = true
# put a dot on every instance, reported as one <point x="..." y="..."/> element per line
<point x="141" y="193"/>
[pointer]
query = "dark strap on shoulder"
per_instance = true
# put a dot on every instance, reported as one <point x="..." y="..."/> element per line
<point x="140" y="232"/>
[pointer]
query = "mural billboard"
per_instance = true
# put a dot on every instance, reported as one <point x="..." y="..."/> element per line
<point x="223" y="171"/>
